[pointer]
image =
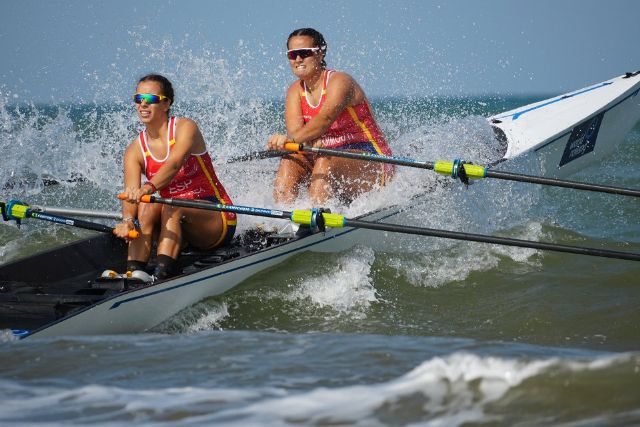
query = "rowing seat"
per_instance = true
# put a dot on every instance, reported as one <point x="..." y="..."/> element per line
<point x="251" y="240"/>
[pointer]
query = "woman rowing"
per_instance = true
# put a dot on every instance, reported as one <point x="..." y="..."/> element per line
<point x="172" y="154"/>
<point x="326" y="108"/>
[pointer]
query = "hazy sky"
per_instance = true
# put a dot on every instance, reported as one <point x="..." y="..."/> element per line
<point x="74" y="50"/>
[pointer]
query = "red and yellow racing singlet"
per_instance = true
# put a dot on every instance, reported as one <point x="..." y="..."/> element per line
<point x="196" y="179"/>
<point x="354" y="125"/>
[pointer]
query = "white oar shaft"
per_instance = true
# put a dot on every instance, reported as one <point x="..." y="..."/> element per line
<point x="77" y="212"/>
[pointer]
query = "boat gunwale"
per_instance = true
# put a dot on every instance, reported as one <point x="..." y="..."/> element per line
<point x="161" y="287"/>
<point x="630" y="92"/>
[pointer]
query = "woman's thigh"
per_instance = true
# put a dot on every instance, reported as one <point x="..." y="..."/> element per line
<point x="294" y="171"/>
<point x="149" y="215"/>
<point x="202" y="228"/>
<point x="347" y="176"/>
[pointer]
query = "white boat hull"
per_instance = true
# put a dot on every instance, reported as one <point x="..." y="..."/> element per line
<point x="138" y="310"/>
<point x="572" y="131"/>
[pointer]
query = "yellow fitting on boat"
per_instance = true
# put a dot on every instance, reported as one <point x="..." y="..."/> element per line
<point x="330" y="220"/>
<point x="301" y="217"/>
<point x="447" y="168"/>
<point x="333" y="220"/>
<point x="443" y="167"/>
<point x="475" y="171"/>
<point x="19" y="211"/>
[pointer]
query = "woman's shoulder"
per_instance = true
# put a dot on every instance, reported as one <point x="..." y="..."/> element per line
<point x="133" y="149"/>
<point x="341" y="79"/>
<point x="182" y="121"/>
<point x="135" y="142"/>
<point x="341" y="85"/>
<point x="295" y="87"/>
<point x="340" y="75"/>
<point x="187" y="130"/>
<point x="185" y="123"/>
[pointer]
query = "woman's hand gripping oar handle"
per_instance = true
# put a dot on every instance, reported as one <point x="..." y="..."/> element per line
<point x="293" y="146"/>
<point x="122" y="196"/>
<point x="143" y="199"/>
<point x="133" y="234"/>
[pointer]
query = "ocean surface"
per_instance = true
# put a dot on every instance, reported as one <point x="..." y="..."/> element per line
<point x="413" y="331"/>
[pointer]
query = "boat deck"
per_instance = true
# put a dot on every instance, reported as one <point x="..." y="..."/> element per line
<point x="48" y="288"/>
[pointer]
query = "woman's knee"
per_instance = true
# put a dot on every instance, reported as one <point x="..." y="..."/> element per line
<point x="148" y="219"/>
<point x="323" y="165"/>
<point x="169" y="213"/>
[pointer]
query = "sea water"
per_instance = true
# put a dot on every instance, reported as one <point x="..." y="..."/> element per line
<point x="405" y="331"/>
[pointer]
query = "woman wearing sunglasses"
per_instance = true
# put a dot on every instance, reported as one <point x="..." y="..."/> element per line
<point x="326" y="108"/>
<point x="171" y="153"/>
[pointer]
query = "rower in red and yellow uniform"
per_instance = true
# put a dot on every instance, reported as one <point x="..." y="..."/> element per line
<point x="172" y="155"/>
<point x="326" y="108"/>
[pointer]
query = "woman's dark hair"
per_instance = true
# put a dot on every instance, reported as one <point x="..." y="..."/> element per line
<point x="167" y="87"/>
<point x="318" y="40"/>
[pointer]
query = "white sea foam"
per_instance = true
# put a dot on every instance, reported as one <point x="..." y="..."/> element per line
<point x="439" y="268"/>
<point x="445" y="390"/>
<point x="451" y="390"/>
<point x="97" y="404"/>
<point x="533" y="232"/>
<point x="457" y="262"/>
<point x="211" y="319"/>
<point x="346" y="287"/>
<point x="203" y="316"/>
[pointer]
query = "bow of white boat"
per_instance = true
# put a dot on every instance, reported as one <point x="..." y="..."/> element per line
<point x="573" y="129"/>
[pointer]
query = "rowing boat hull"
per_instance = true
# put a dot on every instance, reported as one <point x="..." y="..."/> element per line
<point x="138" y="310"/>
<point x="572" y="131"/>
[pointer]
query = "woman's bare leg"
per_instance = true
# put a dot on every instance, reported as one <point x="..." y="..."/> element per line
<point x="149" y="218"/>
<point x="202" y="228"/>
<point x="339" y="177"/>
<point x="294" y="170"/>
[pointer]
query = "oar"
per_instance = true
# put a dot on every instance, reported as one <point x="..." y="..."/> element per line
<point x="77" y="212"/>
<point x="316" y="217"/>
<point x="257" y="155"/>
<point x="16" y="210"/>
<point x="459" y="169"/>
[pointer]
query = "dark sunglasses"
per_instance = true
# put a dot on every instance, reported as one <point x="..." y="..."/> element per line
<point x="149" y="98"/>
<point x="303" y="53"/>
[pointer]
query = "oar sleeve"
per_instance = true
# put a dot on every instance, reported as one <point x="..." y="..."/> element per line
<point x="452" y="169"/>
<point x="330" y="220"/>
